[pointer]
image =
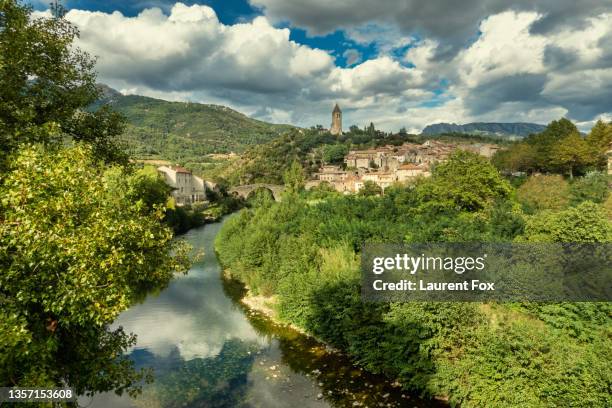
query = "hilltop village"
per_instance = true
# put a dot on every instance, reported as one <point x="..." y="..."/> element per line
<point x="388" y="164"/>
<point x="347" y="173"/>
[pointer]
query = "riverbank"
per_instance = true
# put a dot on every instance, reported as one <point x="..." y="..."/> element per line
<point x="265" y="305"/>
<point x="306" y="257"/>
<point x="342" y="381"/>
<point x="185" y="218"/>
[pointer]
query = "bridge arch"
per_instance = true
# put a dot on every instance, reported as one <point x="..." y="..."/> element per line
<point x="245" y="190"/>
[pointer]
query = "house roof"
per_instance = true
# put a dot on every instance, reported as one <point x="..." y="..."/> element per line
<point x="180" y="169"/>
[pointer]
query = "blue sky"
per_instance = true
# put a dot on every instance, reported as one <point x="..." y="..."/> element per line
<point x="392" y="62"/>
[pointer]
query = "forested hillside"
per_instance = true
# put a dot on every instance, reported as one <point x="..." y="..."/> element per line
<point x="183" y="131"/>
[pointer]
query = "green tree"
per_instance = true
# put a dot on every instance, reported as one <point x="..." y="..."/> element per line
<point x="371" y="130"/>
<point x="323" y="190"/>
<point x="144" y="185"/>
<point x="600" y="141"/>
<point x="294" y="178"/>
<point x="544" y="192"/>
<point x="592" y="187"/>
<point x="370" y="188"/>
<point x="519" y="157"/>
<point x="600" y="136"/>
<point x="77" y="247"/>
<point x="79" y="241"/>
<point x="544" y="142"/>
<point x="584" y="223"/>
<point x="571" y="154"/>
<point x="45" y="81"/>
<point x="334" y="153"/>
<point x="466" y="182"/>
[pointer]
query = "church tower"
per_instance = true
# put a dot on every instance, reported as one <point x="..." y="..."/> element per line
<point x="336" y="126"/>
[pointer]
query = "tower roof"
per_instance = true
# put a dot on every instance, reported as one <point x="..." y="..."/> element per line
<point x="337" y="108"/>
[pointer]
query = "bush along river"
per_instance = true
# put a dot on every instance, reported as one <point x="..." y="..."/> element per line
<point x="209" y="350"/>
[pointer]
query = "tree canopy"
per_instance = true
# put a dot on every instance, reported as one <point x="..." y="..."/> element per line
<point x="77" y="248"/>
<point x="46" y="83"/>
<point x="560" y="149"/>
<point x="82" y="234"/>
<point x="466" y="181"/>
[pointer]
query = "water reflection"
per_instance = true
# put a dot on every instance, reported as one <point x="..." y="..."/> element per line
<point x="208" y="350"/>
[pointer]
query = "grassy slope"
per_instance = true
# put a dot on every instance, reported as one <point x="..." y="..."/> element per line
<point x="185" y="132"/>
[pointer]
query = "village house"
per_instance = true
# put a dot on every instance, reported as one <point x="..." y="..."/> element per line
<point x="394" y="164"/>
<point x="362" y="159"/>
<point x="332" y="174"/>
<point x="388" y="164"/>
<point x="382" y="179"/>
<point x="187" y="188"/>
<point x="341" y="180"/>
<point x="410" y="171"/>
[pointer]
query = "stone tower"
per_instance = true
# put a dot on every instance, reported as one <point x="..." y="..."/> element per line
<point x="336" y="126"/>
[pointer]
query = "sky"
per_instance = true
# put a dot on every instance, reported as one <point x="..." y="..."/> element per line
<point x="396" y="63"/>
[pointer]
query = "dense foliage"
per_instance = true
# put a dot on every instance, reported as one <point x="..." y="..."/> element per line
<point x="304" y="251"/>
<point x="45" y="83"/>
<point x="75" y="252"/>
<point x="82" y="234"/>
<point x="559" y="148"/>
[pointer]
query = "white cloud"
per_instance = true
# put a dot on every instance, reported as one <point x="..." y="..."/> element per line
<point x="504" y="48"/>
<point x="382" y="75"/>
<point x="508" y="72"/>
<point x="422" y="54"/>
<point x="179" y="319"/>
<point x="586" y="43"/>
<point x="189" y="55"/>
<point x="191" y="50"/>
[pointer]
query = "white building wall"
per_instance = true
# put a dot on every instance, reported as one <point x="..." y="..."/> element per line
<point x="187" y="188"/>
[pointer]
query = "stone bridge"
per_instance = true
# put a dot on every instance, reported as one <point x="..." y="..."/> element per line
<point x="246" y="190"/>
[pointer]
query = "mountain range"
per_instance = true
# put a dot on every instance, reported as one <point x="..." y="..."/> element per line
<point x="516" y="130"/>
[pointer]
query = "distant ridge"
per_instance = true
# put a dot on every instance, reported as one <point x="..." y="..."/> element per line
<point x="518" y="129"/>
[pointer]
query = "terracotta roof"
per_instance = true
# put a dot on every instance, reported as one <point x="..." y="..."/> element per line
<point x="180" y="169"/>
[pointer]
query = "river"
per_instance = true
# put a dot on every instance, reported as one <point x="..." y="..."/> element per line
<point x="208" y="350"/>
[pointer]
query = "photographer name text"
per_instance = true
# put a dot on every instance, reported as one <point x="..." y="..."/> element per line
<point x="407" y="285"/>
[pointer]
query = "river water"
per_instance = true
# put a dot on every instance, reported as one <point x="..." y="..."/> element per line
<point x="208" y="350"/>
